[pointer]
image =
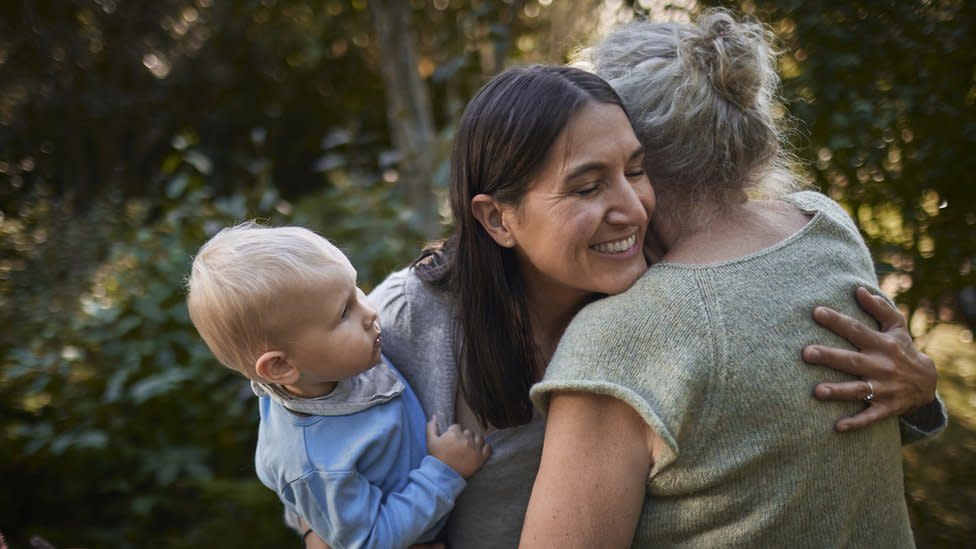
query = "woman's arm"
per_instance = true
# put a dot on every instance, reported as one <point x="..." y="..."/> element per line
<point x="902" y="379"/>
<point x="591" y="484"/>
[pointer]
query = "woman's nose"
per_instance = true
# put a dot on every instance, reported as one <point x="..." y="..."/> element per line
<point x="625" y="207"/>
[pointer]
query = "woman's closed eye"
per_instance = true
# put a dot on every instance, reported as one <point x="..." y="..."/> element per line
<point x="588" y="189"/>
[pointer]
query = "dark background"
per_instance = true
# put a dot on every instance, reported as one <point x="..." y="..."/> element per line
<point x="131" y="130"/>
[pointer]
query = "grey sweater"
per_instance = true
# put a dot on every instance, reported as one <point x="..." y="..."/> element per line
<point x="419" y="337"/>
<point x="709" y="356"/>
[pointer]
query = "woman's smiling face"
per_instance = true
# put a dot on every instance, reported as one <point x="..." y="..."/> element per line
<point x="580" y="227"/>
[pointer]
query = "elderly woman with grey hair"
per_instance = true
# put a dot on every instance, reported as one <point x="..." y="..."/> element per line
<point x="679" y="411"/>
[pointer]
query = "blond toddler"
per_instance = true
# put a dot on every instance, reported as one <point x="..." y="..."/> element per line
<point x="342" y="437"/>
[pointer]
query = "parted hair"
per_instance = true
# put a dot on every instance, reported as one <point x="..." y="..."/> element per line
<point x="703" y="100"/>
<point x="502" y="141"/>
<point x="241" y="281"/>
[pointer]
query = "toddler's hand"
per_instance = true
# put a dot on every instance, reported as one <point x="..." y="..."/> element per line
<point x="457" y="447"/>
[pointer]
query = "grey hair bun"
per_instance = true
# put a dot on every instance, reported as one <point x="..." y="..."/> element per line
<point x="702" y="98"/>
<point x="734" y="56"/>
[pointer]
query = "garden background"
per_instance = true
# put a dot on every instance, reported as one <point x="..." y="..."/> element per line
<point x="130" y="130"/>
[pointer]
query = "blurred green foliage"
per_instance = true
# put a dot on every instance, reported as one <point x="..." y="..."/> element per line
<point x="117" y="423"/>
<point x="886" y="95"/>
<point x="132" y="131"/>
<point x="129" y="133"/>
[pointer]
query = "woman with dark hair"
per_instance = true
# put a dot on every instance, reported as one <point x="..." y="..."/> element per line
<point x="678" y="411"/>
<point x="551" y="207"/>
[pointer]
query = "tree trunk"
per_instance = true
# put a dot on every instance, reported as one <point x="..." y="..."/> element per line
<point x="408" y="109"/>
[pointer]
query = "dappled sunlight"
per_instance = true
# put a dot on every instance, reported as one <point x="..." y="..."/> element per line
<point x="131" y="132"/>
<point x="939" y="473"/>
<point x="951" y="347"/>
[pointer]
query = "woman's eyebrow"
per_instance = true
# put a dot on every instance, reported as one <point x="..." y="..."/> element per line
<point x="597" y="166"/>
<point x="584" y="168"/>
<point x="638" y="152"/>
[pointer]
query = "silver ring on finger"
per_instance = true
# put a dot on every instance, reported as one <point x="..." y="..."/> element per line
<point x="870" y="396"/>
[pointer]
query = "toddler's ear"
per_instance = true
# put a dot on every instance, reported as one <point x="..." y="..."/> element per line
<point x="272" y="367"/>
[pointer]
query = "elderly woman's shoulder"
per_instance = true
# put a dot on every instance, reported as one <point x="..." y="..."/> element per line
<point x="814" y="202"/>
<point x="662" y="291"/>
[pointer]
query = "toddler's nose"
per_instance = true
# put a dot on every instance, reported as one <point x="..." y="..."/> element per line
<point x="371" y="318"/>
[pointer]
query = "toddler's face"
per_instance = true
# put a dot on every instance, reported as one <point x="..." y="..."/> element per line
<point x="336" y="332"/>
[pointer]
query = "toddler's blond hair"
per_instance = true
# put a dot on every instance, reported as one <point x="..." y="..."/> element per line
<point x="244" y="278"/>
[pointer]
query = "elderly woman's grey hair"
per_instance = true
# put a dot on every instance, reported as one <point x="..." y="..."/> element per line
<point x="703" y="99"/>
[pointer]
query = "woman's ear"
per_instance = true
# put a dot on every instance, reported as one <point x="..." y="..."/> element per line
<point x="273" y="367"/>
<point x="492" y="216"/>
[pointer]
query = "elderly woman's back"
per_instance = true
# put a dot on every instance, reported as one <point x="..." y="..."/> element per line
<point x="712" y="404"/>
<point x="706" y="355"/>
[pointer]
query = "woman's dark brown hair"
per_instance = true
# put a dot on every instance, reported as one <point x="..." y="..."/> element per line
<point x="502" y="141"/>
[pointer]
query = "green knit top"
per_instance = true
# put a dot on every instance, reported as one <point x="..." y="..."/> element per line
<point x="709" y="356"/>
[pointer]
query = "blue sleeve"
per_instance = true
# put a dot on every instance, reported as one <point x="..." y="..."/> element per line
<point x="345" y="510"/>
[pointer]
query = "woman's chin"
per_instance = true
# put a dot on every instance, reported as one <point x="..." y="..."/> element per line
<point x="624" y="279"/>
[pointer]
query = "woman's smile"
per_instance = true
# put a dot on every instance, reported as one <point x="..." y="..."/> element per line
<point x="623" y="247"/>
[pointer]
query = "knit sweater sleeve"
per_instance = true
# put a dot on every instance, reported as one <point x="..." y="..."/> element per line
<point x="652" y="351"/>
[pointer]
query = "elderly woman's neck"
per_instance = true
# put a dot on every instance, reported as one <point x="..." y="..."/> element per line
<point x="714" y="233"/>
<point x="678" y="219"/>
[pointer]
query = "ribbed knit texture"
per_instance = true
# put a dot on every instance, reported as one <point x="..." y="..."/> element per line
<point x="709" y="356"/>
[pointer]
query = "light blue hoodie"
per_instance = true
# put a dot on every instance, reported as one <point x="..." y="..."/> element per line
<point x="357" y="469"/>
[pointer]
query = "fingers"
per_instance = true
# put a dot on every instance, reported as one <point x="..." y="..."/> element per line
<point x="455" y="430"/>
<point x="856" y="391"/>
<point x="850" y="362"/>
<point x="879" y="308"/>
<point x="470" y="438"/>
<point x="846" y="327"/>
<point x="848" y="390"/>
<point x="482" y="444"/>
<point x="432" y="430"/>
<point x="474" y="440"/>
<point x="870" y="415"/>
